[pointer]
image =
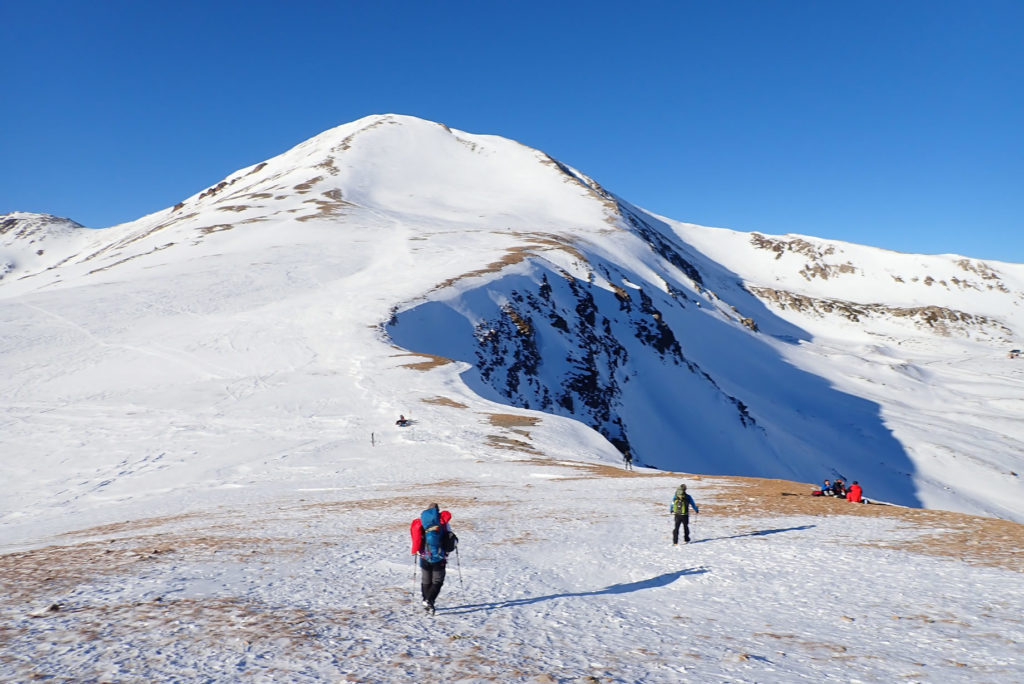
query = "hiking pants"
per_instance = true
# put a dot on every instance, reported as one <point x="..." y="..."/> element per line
<point x="432" y="579"/>
<point x="683" y="520"/>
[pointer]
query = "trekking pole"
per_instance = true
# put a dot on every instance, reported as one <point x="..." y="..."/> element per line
<point x="414" y="574"/>
<point x="458" y="564"/>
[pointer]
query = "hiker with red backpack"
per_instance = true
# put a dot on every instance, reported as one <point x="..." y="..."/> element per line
<point x="681" y="505"/>
<point x="432" y="541"/>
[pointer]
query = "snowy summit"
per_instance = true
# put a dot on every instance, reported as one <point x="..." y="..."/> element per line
<point x="199" y="433"/>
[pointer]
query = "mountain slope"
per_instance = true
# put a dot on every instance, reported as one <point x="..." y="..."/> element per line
<point x="257" y="319"/>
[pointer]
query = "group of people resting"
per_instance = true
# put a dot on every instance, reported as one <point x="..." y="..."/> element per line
<point x="838" y="488"/>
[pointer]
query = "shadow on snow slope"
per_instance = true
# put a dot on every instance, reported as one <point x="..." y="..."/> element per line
<point x="624" y="588"/>
<point x="759" y="533"/>
<point x="660" y="364"/>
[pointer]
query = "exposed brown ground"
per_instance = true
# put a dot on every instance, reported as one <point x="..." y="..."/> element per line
<point x="443" y="401"/>
<point x="430" y="362"/>
<point x="971" y="538"/>
<point x="511" y="420"/>
<point x="52" y="570"/>
<point x="535" y="244"/>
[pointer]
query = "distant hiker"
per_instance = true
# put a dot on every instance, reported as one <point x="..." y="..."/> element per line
<point x="628" y="459"/>
<point x="826" y="490"/>
<point x="432" y="541"/>
<point x="681" y="504"/>
<point x="854" y="494"/>
<point x="838" y="488"/>
<point x="402" y="421"/>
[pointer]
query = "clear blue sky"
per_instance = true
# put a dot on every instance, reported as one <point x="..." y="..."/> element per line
<point x="893" y="123"/>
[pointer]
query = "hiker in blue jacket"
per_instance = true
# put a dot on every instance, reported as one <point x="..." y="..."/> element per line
<point x="681" y="505"/>
<point x="432" y="541"/>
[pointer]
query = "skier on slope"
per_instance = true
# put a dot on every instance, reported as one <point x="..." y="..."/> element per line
<point x="432" y="540"/>
<point x="681" y="504"/>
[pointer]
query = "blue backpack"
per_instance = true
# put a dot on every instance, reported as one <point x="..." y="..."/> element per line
<point x="434" y="535"/>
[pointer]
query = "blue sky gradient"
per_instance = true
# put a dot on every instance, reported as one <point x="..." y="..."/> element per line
<point x="892" y="124"/>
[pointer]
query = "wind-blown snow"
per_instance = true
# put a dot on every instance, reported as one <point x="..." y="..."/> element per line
<point x="233" y="367"/>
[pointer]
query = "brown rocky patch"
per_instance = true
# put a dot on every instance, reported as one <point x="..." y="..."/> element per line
<point x="443" y="401"/>
<point x="511" y="420"/>
<point x="971" y="538"/>
<point x="432" y="361"/>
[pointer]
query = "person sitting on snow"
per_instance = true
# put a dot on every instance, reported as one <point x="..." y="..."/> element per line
<point x="838" y="488"/>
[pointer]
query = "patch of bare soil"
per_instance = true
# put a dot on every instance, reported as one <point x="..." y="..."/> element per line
<point x="450" y="494"/>
<point x="189" y="625"/>
<point x="303" y="188"/>
<point x="220" y="227"/>
<point x="443" y="401"/>
<point x="971" y="538"/>
<point x="510" y="443"/>
<point x="431" y="362"/>
<point x="514" y="424"/>
<point x="132" y="525"/>
<point x="536" y="243"/>
<point x="332" y="206"/>
<point x="51" y="570"/>
<point x="511" y="420"/>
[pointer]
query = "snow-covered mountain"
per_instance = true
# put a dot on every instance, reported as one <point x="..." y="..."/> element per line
<point x="203" y="479"/>
<point x="301" y="289"/>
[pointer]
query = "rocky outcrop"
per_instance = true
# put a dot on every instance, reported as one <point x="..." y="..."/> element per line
<point x="937" y="320"/>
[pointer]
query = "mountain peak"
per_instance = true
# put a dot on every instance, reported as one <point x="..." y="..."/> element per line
<point x="407" y="168"/>
<point x="30" y="241"/>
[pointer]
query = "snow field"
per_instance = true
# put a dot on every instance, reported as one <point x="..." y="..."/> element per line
<point x="567" y="573"/>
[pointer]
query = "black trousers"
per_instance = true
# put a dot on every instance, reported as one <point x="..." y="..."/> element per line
<point x="683" y="520"/>
<point x="432" y="579"/>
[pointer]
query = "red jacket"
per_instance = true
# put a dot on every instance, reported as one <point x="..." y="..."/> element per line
<point x="416" y="531"/>
<point x="854" y="494"/>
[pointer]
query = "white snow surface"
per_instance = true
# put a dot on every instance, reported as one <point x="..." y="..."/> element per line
<point x="208" y="396"/>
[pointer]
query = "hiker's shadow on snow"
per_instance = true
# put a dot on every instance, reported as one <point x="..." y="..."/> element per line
<point x="625" y="588"/>
<point x="759" y="533"/>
